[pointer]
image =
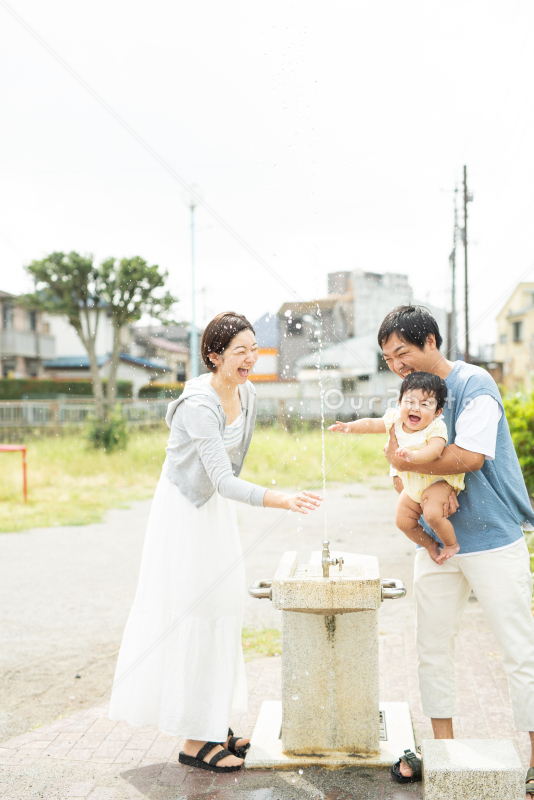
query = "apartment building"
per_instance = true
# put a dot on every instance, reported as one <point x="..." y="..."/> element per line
<point x="25" y="340"/>
<point x="515" y="339"/>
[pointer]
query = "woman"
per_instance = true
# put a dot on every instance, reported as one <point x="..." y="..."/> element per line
<point x="181" y="662"/>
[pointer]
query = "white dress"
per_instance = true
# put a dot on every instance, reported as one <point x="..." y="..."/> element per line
<point x="181" y="664"/>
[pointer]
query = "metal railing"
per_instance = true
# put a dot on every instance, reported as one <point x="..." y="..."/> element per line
<point x="57" y="413"/>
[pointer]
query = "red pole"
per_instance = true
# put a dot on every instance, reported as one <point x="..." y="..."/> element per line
<point x="24" y="481"/>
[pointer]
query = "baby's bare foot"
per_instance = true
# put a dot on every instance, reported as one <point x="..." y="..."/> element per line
<point x="447" y="552"/>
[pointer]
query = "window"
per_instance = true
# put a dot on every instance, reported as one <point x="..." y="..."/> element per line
<point x="348" y="385"/>
<point x="503" y="338"/>
<point x="294" y="326"/>
<point x="32" y="320"/>
<point x="8" y="317"/>
<point x="517" y="328"/>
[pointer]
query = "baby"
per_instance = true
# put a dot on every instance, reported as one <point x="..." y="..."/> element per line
<point x="422" y="436"/>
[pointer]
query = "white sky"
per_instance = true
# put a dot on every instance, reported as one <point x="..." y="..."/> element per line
<point x="328" y="135"/>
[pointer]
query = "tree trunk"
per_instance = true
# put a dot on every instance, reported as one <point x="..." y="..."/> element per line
<point x="98" y="389"/>
<point x="89" y="340"/>
<point x="113" y="365"/>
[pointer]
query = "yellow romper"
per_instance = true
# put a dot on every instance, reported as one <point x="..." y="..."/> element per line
<point x="415" y="483"/>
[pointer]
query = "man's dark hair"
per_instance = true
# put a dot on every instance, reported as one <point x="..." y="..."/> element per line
<point x="219" y="333"/>
<point x="427" y="383"/>
<point x="412" y="324"/>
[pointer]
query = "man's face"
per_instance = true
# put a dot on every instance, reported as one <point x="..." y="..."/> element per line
<point x="403" y="358"/>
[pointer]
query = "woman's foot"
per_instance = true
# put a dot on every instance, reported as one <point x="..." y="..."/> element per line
<point x="238" y="744"/>
<point x="192" y="746"/>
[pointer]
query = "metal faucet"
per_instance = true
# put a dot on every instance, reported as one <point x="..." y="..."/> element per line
<point x="327" y="561"/>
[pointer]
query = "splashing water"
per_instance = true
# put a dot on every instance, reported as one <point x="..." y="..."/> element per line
<point x="321" y="393"/>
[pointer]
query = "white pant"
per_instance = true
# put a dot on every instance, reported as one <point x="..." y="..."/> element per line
<point x="502" y="583"/>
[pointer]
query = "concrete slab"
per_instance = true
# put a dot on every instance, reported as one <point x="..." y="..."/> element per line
<point x="469" y="769"/>
<point x="266" y="743"/>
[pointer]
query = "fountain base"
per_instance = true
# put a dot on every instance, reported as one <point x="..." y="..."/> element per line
<point x="396" y="735"/>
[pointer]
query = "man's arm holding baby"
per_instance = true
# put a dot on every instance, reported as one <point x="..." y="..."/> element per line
<point x="360" y="426"/>
<point x="454" y="460"/>
<point x="425" y="454"/>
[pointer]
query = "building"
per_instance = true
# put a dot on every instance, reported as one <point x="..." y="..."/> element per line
<point x="355" y="378"/>
<point x="368" y="296"/>
<point x="25" y="340"/>
<point x="304" y="327"/>
<point x="168" y="344"/>
<point x="267" y="330"/>
<point x="139" y="371"/>
<point x="515" y="339"/>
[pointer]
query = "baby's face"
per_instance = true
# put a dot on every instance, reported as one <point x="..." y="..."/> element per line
<point x="418" y="409"/>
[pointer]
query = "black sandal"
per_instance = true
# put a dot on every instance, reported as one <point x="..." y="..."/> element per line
<point x="412" y="761"/>
<point x="198" y="760"/>
<point x="240" y="752"/>
<point x="530" y="777"/>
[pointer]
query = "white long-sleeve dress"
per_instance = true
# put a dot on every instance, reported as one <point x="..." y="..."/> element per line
<point x="181" y="662"/>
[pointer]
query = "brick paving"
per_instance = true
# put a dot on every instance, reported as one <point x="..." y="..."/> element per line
<point x="86" y="755"/>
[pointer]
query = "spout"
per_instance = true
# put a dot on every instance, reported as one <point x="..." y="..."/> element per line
<point x="392" y="589"/>
<point x="261" y="590"/>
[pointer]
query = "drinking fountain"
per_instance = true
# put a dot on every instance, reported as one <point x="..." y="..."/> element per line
<point x="330" y="713"/>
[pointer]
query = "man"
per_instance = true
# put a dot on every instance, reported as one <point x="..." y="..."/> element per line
<point x="489" y="520"/>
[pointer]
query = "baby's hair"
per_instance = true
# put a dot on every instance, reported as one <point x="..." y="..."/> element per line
<point x="427" y="383"/>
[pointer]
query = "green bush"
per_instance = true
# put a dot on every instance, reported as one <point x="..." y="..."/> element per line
<point x="49" y="389"/>
<point x="520" y="413"/>
<point x="112" y="434"/>
<point x="157" y="390"/>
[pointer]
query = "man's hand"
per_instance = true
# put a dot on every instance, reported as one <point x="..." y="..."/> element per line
<point x="390" y="452"/>
<point x="403" y="452"/>
<point x="449" y="508"/>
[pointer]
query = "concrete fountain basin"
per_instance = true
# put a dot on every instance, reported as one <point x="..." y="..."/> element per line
<point x="301" y="587"/>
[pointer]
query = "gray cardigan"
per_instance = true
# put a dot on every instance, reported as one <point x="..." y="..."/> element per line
<point x="197" y="461"/>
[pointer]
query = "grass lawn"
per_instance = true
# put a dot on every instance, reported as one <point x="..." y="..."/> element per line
<point x="69" y="483"/>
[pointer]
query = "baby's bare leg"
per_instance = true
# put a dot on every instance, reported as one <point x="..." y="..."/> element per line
<point x="437" y="496"/>
<point x="407" y="520"/>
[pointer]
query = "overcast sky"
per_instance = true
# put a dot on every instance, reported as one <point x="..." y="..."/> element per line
<point x="326" y="135"/>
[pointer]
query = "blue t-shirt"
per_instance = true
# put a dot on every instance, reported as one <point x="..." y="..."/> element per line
<point x="495" y="503"/>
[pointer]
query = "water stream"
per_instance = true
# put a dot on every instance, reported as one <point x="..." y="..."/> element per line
<point x="321" y="394"/>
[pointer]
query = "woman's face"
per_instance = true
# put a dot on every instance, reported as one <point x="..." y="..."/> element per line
<point x="236" y="362"/>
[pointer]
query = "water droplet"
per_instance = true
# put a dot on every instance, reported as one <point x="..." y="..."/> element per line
<point x="306" y="673"/>
<point x="301" y="772"/>
<point x="293" y="677"/>
<point x="295" y="697"/>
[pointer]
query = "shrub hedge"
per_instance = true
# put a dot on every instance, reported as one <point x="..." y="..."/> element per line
<point x="164" y="391"/>
<point x="520" y="413"/>
<point x="48" y="389"/>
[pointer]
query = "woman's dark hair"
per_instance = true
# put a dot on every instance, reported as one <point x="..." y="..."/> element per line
<point x="219" y="333"/>
<point x="427" y="383"/>
<point x="412" y="324"/>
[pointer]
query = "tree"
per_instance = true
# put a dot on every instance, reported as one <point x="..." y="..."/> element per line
<point x="131" y="290"/>
<point x="70" y="285"/>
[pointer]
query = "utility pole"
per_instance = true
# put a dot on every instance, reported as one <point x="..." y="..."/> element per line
<point x="453" y="351"/>
<point x="192" y="198"/>
<point x="467" y="199"/>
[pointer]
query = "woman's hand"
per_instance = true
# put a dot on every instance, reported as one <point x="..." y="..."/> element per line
<point x="301" y="502"/>
<point x="403" y="452"/>
<point x="340" y="427"/>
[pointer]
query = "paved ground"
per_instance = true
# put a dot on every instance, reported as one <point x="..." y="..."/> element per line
<point x="64" y="597"/>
